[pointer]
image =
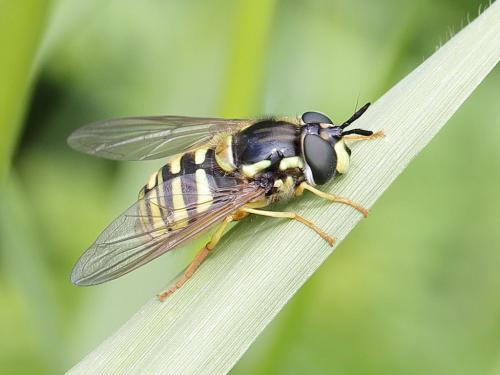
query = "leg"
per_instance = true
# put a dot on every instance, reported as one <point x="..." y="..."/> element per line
<point x="290" y="215"/>
<point x="334" y="198"/>
<point x="198" y="259"/>
<point x="375" y="135"/>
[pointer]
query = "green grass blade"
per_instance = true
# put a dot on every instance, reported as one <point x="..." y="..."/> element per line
<point x="208" y="325"/>
<point x="21" y="26"/>
<point x="246" y="66"/>
<point x="23" y="266"/>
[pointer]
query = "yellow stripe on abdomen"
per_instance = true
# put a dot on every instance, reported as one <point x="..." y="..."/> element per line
<point x="203" y="190"/>
<point x="180" y="213"/>
<point x="175" y="165"/>
<point x="142" y="212"/>
<point x="199" y="155"/>
<point x="154" y="206"/>
<point x="150" y="219"/>
<point x="152" y="181"/>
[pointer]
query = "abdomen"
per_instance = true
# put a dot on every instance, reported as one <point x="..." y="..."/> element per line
<point x="181" y="189"/>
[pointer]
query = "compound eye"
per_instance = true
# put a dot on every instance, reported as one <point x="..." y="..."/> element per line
<point x="315" y="118"/>
<point x="320" y="157"/>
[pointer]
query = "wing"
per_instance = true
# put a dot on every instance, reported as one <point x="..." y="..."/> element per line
<point x="150" y="227"/>
<point x="145" y="138"/>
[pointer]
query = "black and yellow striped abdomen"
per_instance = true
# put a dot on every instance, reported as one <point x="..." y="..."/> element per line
<point x="181" y="190"/>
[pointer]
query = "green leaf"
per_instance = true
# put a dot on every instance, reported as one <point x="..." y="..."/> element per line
<point x="260" y="264"/>
<point x="246" y="65"/>
<point x="23" y="266"/>
<point x="21" y="26"/>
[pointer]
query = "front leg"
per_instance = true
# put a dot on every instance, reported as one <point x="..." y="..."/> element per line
<point x="333" y="198"/>
<point x="377" y="134"/>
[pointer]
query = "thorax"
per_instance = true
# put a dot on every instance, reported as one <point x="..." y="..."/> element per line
<point x="267" y="145"/>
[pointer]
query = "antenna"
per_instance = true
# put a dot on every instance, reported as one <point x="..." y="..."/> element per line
<point x="355" y="116"/>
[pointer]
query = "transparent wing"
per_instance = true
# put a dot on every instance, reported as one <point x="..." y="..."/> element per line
<point x="145" y="138"/>
<point x="150" y="228"/>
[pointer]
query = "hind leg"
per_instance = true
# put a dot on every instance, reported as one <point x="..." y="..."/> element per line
<point x="198" y="259"/>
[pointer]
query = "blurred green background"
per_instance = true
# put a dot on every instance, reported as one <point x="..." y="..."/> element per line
<point x="414" y="289"/>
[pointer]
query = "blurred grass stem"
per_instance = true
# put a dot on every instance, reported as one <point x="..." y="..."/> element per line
<point x="21" y="26"/>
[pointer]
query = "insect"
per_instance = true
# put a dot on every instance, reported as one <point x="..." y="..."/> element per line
<point x="218" y="171"/>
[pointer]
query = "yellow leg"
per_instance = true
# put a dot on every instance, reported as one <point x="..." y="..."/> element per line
<point x="375" y="135"/>
<point x="198" y="259"/>
<point x="293" y="216"/>
<point x="334" y="198"/>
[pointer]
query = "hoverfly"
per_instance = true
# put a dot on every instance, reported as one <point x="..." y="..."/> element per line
<point x="219" y="171"/>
